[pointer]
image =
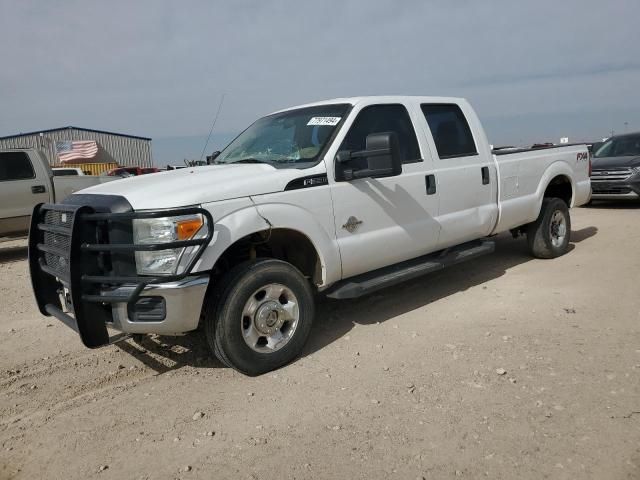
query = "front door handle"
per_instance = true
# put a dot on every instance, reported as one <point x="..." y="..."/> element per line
<point x="485" y="176"/>
<point x="38" y="189"/>
<point x="430" y="181"/>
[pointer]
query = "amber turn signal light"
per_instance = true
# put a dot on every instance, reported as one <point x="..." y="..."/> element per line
<point x="186" y="229"/>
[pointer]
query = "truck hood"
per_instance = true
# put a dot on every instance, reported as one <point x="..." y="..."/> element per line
<point x="613" y="162"/>
<point x="198" y="185"/>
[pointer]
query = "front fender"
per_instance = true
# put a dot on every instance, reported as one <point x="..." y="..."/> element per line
<point x="293" y="217"/>
<point x="239" y="218"/>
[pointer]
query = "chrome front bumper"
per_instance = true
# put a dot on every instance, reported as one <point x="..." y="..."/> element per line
<point x="183" y="300"/>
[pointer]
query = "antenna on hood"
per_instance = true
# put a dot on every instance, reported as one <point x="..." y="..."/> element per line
<point x="213" y="125"/>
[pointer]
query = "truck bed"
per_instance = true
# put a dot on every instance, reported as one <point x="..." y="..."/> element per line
<point x="66" y="185"/>
<point x="520" y="173"/>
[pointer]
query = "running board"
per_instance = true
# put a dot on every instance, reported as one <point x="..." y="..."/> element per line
<point x="369" y="282"/>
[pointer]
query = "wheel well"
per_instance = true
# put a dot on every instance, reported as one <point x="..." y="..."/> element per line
<point x="284" y="244"/>
<point x="560" y="187"/>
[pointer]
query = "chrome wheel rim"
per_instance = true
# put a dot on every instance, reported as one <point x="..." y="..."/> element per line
<point x="558" y="228"/>
<point x="270" y="317"/>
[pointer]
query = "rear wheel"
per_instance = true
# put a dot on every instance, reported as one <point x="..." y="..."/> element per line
<point x="549" y="235"/>
<point x="259" y="317"/>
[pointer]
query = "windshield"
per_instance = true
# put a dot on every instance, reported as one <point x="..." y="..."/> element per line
<point x="294" y="138"/>
<point x="626" y="146"/>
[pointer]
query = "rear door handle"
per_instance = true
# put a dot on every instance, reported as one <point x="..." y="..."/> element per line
<point x="485" y="176"/>
<point x="430" y="181"/>
<point x="38" y="189"/>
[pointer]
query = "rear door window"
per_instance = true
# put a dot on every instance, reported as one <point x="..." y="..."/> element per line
<point x="15" y="166"/>
<point x="450" y="130"/>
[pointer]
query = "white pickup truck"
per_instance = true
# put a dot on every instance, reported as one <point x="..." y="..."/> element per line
<point x="27" y="180"/>
<point x="344" y="197"/>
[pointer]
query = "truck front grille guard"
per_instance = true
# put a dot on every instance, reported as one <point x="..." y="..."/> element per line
<point x="71" y="244"/>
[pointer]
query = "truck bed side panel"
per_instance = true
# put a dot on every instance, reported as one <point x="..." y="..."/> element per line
<point x="524" y="177"/>
<point x="67" y="185"/>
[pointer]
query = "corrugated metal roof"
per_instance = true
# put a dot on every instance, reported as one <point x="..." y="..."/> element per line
<point x="75" y="128"/>
<point x="125" y="150"/>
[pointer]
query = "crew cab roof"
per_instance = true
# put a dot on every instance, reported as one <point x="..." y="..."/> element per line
<point x="625" y="135"/>
<point x="373" y="99"/>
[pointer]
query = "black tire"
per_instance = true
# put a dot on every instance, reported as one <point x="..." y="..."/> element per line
<point x="539" y="233"/>
<point x="223" y="317"/>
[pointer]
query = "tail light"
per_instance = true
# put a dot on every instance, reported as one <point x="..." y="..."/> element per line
<point x="589" y="164"/>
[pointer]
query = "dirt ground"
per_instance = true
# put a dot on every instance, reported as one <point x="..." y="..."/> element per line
<point x="401" y="384"/>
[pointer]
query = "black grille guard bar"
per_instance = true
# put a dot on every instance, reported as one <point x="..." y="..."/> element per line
<point x="87" y="299"/>
<point x="141" y="281"/>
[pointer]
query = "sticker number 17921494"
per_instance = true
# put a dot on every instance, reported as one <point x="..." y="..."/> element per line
<point x="327" y="121"/>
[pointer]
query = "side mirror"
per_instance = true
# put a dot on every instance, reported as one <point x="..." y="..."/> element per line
<point x="343" y="156"/>
<point x="212" y="157"/>
<point x="381" y="155"/>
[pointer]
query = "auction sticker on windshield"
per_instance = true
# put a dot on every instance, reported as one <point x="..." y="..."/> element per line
<point x="330" y="121"/>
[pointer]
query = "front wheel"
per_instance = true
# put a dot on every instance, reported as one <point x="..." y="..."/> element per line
<point x="549" y="235"/>
<point x="260" y="316"/>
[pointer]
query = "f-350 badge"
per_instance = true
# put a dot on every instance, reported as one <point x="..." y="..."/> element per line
<point x="352" y="224"/>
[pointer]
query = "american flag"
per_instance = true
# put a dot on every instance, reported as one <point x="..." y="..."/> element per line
<point x="69" y="151"/>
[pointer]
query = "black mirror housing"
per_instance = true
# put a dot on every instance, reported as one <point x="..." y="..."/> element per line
<point x="343" y="156"/>
<point x="383" y="153"/>
<point x="382" y="158"/>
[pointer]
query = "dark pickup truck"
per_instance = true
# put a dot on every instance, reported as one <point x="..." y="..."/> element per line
<point x="616" y="169"/>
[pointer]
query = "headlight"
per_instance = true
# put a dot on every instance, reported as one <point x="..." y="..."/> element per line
<point x="172" y="261"/>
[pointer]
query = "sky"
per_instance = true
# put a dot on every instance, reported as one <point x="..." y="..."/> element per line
<point x="535" y="71"/>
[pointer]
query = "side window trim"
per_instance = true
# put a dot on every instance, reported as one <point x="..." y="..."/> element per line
<point x="465" y="123"/>
<point x="461" y="155"/>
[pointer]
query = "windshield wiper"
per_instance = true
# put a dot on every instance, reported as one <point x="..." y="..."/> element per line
<point x="250" y="160"/>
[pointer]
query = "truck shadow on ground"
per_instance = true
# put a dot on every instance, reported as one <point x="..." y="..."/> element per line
<point x="162" y="353"/>
<point x="334" y="319"/>
<point x="13" y="254"/>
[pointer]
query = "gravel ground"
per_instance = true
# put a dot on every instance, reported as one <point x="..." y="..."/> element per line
<point x="504" y="367"/>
